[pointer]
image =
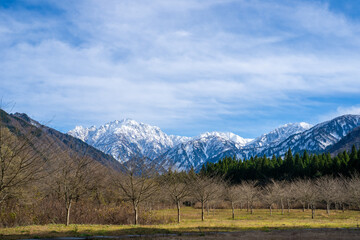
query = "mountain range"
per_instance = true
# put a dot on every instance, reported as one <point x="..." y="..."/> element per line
<point x="127" y="138"/>
<point x="118" y="141"/>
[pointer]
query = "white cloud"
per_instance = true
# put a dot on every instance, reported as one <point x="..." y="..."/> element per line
<point x="181" y="61"/>
<point x="341" y="110"/>
<point x="348" y="110"/>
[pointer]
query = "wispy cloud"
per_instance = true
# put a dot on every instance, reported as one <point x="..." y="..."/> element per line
<point x="355" y="110"/>
<point x="183" y="65"/>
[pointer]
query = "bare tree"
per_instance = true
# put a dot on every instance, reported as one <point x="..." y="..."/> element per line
<point x="233" y="195"/>
<point x="251" y="193"/>
<point x="23" y="159"/>
<point x="271" y="193"/>
<point x="74" y="178"/>
<point x="176" y="186"/>
<point x="306" y="192"/>
<point x="136" y="183"/>
<point x="288" y="195"/>
<point x="327" y="188"/>
<point x="204" y="189"/>
<point x="282" y="191"/>
<point x="342" y="193"/>
<point x="353" y="186"/>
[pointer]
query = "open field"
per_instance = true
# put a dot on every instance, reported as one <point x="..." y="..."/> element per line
<point x="218" y="220"/>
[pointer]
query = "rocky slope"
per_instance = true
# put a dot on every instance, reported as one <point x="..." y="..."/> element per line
<point x="346" y="143"/>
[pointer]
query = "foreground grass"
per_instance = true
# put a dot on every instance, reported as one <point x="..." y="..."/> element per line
<point x="215" y="221"/>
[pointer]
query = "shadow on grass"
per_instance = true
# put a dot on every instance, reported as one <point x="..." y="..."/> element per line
<point x="138" y="232"/>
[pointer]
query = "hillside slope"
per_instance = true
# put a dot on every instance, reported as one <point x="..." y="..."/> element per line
<point x="346" y="143"/>
<point x="21" y="124"/>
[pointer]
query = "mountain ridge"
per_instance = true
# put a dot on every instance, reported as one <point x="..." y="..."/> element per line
<point x="127" y="138"/>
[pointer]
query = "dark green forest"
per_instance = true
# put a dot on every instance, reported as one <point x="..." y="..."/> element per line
<point x="289" y="167"/>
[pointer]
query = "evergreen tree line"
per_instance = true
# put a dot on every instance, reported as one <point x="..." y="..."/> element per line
<point x="289" y="167"/>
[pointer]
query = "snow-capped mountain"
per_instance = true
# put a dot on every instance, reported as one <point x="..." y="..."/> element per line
<point x="317" y="138"/>
<point x="279" y="134"/>
<point x="239" y="141"/>
<point x="207" y="147"/>
<point x="179" y="139"/>
<point x="127" y="138"/>
<point x="273" y="138"/>
<point x="213" y="146"/>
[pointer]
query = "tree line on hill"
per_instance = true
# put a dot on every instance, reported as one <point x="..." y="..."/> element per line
<point x="287" y="168"/>
<point x="41" y="184"/>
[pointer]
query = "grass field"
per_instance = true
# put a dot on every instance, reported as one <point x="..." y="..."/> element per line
<point x="215" y="221"/>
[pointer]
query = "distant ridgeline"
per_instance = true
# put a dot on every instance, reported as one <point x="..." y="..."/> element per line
<point x="287" y="168"/>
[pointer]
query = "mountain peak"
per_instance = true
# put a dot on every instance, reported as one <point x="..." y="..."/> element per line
<point x="228" y="136"/>
<point x="302" y="125"/>
<point x="126" y="139"/>
<point x="305" y="125"/>
<point x="274" y="137"/>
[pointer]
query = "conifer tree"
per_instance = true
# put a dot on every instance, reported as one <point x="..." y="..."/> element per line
<point x="353" y="157"/>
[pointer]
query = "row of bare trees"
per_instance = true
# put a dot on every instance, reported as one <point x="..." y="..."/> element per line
<point x="325" y="192"/>
<point x="31" y="174"/>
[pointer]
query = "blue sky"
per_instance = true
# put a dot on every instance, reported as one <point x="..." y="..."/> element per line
<point x="187" y="66"/>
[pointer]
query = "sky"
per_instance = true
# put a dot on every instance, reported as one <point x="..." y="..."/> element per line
<point x="187" y="66"/>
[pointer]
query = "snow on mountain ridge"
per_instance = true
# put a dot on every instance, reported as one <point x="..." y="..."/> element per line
<point x="317" y="138"/>
<point x="81" y="132"/>
<point x="127" y="138"/>
<point x="228" y="136"/>
<point x="213" y="146"/>
<point x="280" y="134"/>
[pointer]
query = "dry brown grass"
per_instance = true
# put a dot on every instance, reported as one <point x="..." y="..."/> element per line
<point x="218" y="220"/>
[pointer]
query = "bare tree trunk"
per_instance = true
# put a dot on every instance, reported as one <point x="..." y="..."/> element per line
<point x="289" y="207"/>
<point x="328" y="208"/>
<point x="270" y="210"/>
<point x="251" y="209"/>
<point x="343" y="207"/>
<point x="202" y="211"/>
<point x="68" y="208"/>
<point x="312" y="211"/>
<point x="247" y="206"/>
<point x="178" y="210"/>
<point x="282" y="206"/>
<point x="136" y="214"/>
<point x="241" y="206"/>
<point x="207" y="208"/>
<point x="233" y="210"/>
<point x="303" y="207"/>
